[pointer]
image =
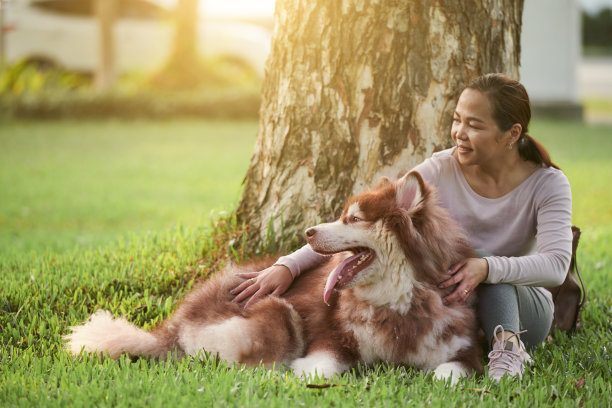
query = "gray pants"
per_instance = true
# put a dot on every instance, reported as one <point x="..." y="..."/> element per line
<point x="516" y="308"/>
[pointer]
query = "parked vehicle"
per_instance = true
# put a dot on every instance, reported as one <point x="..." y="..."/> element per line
<point x="65" y="33"/>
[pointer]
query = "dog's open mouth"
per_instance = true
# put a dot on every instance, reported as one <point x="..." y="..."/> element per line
<point x="346" y="271"/>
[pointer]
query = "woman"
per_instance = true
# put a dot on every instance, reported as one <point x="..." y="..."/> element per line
<point x="515" y="205"/>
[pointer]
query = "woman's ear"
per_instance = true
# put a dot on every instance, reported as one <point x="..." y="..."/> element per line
<point x="515" y="133"/>
<point x="382" y="182"/>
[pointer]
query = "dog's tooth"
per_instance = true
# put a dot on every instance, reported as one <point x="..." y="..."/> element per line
<point x="363" y="259"/>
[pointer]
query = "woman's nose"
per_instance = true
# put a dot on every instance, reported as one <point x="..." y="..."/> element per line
<point x="460" y="132"/>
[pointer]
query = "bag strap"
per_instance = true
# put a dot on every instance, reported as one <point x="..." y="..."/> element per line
<point x="576" y="237"/>
<point x="574" y="266"/>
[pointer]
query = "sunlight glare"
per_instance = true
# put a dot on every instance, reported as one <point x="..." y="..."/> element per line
<point x="231" y="8"/>
<point x="237" y="8"/>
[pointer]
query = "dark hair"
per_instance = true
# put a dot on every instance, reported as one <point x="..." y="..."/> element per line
<point x="510" y="105"/>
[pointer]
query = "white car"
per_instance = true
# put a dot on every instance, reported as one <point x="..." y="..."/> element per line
<point x="65" y="33"/>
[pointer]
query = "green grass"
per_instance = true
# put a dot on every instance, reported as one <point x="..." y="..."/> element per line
<point x="67" y="184"/>
<point x="129" y="183"/>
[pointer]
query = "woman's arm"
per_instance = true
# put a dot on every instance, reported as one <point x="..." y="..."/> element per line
<point x="302" y="259"/>
<point x="549" y="265"/>
<point x="276" y="279"/>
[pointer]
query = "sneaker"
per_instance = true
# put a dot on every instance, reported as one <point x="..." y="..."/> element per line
<point x="507" y="358"/>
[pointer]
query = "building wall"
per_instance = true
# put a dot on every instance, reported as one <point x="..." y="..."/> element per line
<point x="551" y="51"/>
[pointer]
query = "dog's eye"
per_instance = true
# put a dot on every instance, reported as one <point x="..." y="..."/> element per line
<point x="352" y="218"/>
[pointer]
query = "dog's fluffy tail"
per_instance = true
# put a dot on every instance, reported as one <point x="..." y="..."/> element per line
<point x="103" y="334"/>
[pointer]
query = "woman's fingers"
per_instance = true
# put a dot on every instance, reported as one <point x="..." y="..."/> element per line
<point x="248" y="275"/>
<point x="467" y="275"/>
<point x="462" y="291"/>
<point x="457" y="267"/>
<point x="449" y="282"/>
<point x="258" y="292"/>
<point x="258" y="295"/>
<point x="247" y="283"/>
<point x="274" y="280"/>
<point x="459" y="295"/>
<point x="455" y="278"/>
<point x="250" y="279"/>
<point x="244" y="290"/>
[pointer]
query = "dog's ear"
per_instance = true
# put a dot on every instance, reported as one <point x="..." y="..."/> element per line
<point x="382" y="182"/>
<point x="410" y="191"/>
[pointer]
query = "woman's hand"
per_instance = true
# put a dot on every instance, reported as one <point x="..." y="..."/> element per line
<point x="274" y="281"/>
<point x="467" y="274"/>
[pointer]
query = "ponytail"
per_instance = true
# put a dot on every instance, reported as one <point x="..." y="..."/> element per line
<point x="532" y="150"/>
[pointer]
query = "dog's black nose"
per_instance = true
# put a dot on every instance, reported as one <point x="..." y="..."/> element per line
<point x="310" y="232"/>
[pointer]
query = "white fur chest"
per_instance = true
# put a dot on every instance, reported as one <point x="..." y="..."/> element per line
<point x="372" y="345"/>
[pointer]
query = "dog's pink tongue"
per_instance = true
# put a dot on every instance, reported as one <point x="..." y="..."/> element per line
<point x="332" y="279"/>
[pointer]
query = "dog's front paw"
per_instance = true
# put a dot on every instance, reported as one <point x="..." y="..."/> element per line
<point x="451" y="370"/>
<point x="319" y="363"/>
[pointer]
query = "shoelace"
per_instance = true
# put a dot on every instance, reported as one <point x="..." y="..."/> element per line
<point x="497" y="360"/>
<point x="496" y="332"/>
<point x="496" y="357"/>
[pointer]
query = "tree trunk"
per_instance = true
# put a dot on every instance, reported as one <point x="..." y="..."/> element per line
<point x="106" y="11"/>
<point x="184" y="49"/>
<point x="359" y="89"/>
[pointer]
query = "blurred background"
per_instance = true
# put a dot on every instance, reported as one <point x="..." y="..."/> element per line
<point x="595" y="69"/>
<point x="59" y="56"/>
<point x="206" y="57"/>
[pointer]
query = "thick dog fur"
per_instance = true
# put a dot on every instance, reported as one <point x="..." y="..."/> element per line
<point x="390" y="310"/>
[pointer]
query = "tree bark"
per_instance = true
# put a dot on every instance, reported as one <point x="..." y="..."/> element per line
<point x="359" y="89"/>
<point x="106" y="11"/>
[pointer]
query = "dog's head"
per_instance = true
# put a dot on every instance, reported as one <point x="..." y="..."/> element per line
<point x="396" y="234"/>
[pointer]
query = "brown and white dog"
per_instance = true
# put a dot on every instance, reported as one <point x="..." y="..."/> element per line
<point x="388" y="252"/>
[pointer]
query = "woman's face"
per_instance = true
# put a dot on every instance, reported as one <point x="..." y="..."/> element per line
<point x="478" y="138"/>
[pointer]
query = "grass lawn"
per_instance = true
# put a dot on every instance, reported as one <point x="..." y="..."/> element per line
<point x="114" y="215"/>
<point x="67" y="184"/>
